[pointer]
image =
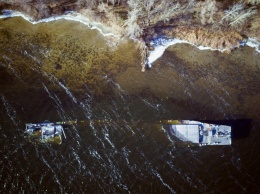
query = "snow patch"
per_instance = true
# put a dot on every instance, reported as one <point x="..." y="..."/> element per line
<point x="254" y="43"/>
<point x="67" y="16"/>
<point x="161" y="44"/>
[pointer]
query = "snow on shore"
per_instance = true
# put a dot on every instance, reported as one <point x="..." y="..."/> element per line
<point x="67" y="16"/>
<point x="160" y="44"/>
<point x="254" y="43"/>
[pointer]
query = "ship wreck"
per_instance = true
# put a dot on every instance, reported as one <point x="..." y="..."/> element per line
<point x="45" y="132"/>
<point x="199" y="132"/>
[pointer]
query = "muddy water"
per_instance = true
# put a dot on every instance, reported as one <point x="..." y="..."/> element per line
<point x="61" y="70"/>
<point x="202" y="81"/>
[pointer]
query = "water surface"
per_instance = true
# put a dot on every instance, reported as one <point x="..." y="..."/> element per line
<point x="62" y="70"/>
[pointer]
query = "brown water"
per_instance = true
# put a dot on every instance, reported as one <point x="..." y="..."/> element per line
<point x="63" y="71"/>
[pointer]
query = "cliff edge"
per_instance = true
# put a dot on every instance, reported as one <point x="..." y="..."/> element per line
<point x="210" y="23"/>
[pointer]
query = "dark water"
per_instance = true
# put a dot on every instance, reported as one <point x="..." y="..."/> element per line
<point x="62" y="71"/>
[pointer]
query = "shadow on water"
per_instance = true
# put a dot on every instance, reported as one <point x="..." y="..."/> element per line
<point x="50" y="72"/>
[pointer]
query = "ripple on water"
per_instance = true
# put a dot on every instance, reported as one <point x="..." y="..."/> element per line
<point x="63" y="71"/>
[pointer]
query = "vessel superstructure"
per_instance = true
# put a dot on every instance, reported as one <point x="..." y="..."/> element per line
<point x="199" y="132"/>
<point x="45" y="132"/>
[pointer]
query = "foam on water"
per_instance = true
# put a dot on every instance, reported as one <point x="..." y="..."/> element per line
<point x="11" y="112"/>
<point x="162" y="181"/>
<point x="57" y="102"/>
<point x="111" y="157"/>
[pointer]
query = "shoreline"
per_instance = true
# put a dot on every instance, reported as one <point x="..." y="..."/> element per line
<point x="165" y="43"/>
<point x="159" y="44"/>
<point x="196" y="68"/>
<point x="72" y="16"/>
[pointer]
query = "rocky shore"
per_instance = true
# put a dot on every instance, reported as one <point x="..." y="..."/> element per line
<point x="215" y="24"/>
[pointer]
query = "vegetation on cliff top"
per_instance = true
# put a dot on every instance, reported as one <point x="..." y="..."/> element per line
<point x="214" y="23"/>
<point x="137" y="16"/>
